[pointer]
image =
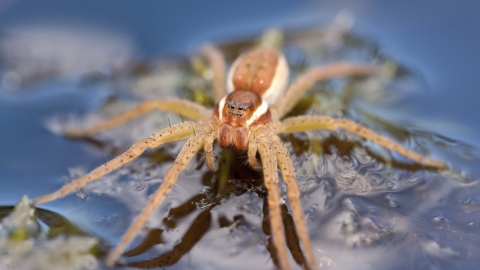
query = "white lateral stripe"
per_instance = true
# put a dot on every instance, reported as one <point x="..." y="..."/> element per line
<point x="221" y="105"/>
<point x="279" y="82"/>
<point x="261" y="110"/>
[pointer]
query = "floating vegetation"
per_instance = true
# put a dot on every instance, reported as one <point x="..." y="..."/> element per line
<point x="24" y="246"/>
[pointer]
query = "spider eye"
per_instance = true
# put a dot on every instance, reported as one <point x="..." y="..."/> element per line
<point x="231" y="105"/>
<point x="240" y="107"/>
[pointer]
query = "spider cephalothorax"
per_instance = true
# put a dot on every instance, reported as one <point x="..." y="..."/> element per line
<point x="237" y="113"/>
<point x="249" y="117"/>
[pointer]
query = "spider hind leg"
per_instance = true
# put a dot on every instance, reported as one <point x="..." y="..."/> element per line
<point x="274" y="200"/>
<point x="293" y="192"/>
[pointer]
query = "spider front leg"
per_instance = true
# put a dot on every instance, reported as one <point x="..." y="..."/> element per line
<point x="306" y="80"/>
<point x="209" y="156"/>
<point x="252" y="151"/>
<point x="176" y="132"/>
<point x="184" y="107"/>
<point x="306" y="123"/>
<point x="269" y="163"/>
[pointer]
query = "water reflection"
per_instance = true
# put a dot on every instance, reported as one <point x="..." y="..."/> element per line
<point x="202" y="223"/>
<point x="49" y="223"/>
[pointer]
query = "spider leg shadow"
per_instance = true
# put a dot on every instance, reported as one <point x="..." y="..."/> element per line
<point x="201" y="225"/>
<point x="203" y="221"/>
<point x="293" y="242"/>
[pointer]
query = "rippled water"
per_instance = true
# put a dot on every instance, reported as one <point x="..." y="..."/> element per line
<point x="366" y="207"/>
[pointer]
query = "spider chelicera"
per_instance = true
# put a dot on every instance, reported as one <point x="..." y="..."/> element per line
<point x="251" y="101"/>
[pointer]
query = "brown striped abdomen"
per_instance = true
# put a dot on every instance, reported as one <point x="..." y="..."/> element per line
<point x="256" y="71"/>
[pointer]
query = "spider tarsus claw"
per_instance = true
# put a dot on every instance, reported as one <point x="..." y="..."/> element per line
<point x="255" y="164"/>
<point x="212" y="165"/>
<point x="370" y="69"/>
<point x="436" y="164"/>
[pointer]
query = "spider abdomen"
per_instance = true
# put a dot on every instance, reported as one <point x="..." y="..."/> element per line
<point x="261" y="70"/>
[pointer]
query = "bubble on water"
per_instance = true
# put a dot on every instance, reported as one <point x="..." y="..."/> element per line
<point x="439" y="218"/>
<point x="206" y="190"/>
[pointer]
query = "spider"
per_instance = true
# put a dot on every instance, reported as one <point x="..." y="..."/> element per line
<point x="251" y="102"/>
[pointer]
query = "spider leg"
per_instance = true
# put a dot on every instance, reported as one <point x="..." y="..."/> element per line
<point x="187" y="108"/>
<point x="188" y="151"/>
<point x="269" y="163"/>
<point x="305" y="123"/>
<point x="217" y="63"/>
<point x="303" y="82"/>
<point x="252" y="151"/>
<point x="286" y="167"/>
<point x="209" y="156"/>
<point x="176" y="132"/>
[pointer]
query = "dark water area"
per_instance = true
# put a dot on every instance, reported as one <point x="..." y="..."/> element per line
<point x="363" y="211"/>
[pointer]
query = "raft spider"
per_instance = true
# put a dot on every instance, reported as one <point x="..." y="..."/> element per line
<point x="251" y="101"/>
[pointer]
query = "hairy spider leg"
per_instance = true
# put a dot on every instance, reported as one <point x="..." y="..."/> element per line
<point x="252" y="151"/>
<point x="306" y="123"/>
<point x="189" y="150"/>
<point x="216" y="62"/>
<point x="209" y="156"/>
<point x="175" y="133"/>
<point x="270" y="175"/>
<point x="293" y="192"/>
<point x="189" y="110"/>
<point x="306" y="80"/>
<point x="284" y="163"/>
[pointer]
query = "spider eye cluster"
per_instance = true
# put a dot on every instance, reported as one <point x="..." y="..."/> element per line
<point x="236" y="109"/>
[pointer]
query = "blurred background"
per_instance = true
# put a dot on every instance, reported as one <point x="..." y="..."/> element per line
<point x="47" y="46"/>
